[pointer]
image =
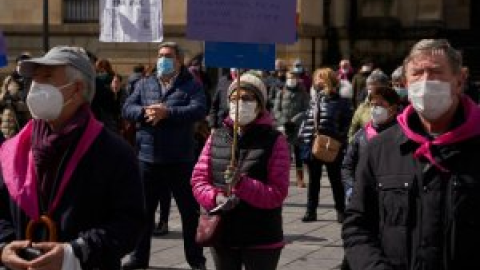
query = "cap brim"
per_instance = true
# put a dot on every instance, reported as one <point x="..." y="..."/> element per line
<point x="28" y="66"/>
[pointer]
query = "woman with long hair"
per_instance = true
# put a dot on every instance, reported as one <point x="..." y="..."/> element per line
<point x="330" y="115"/>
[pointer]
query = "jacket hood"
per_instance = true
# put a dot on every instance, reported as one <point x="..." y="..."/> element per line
<point x="468" y="129"/>
<point x="17" y="165"/>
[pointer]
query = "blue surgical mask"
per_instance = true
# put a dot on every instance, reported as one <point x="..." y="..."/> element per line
<point x="402" y="92"/>
<point x="165" y="66"/>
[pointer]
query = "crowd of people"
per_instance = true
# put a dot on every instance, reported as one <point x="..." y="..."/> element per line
<point x="88" y="156"/>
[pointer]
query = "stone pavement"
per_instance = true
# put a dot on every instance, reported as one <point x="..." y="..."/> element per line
<point x="310" y="246"/>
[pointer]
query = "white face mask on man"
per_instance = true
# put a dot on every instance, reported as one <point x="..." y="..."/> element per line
<point x="247" y="111"/>
<point x="431" y="99"/>
<point x="45" y="101"/>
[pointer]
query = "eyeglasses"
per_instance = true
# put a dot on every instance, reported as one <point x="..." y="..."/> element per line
<point x="243" y="98"/>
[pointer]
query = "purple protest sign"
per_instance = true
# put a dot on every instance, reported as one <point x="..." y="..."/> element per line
<point x="3" y="51"/>
<point x="248" y="21"/>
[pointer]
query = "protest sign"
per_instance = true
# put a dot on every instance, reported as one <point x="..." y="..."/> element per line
<point x="240" y="55"/>
<point x="131" y="21"/>
<point x="247" y="21"/>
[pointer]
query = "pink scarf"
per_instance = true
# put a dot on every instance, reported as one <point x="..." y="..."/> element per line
<point x="370" y="131"/>
<point x="18" y="166"/>
<point x="470" y="128"/>
<point x="49" y="148"/>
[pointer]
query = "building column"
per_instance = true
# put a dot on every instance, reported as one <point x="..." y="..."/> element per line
<point x="55" y="9"/>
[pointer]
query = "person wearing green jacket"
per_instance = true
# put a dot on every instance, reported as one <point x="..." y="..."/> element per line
<point x="362" y="114"/>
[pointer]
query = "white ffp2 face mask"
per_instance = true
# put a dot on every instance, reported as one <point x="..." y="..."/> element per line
<point x="431" y="99"/>
<point x="379" y="115"/>
<point x="247" y="111"/>
<point x="45" y="101"/>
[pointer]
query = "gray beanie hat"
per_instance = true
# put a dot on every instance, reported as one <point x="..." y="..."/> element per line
<point x="253" y="83"/>
<point x="378" y="77"/>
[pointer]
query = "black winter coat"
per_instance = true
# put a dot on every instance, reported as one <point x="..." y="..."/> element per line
<point x="103" y="103"/>
<point x="406" y="214"/>
<point x="102" y="211"/>
<point x="219" y="107"/>
<point x="332" y="115"/>
<point x="355" y="150"/>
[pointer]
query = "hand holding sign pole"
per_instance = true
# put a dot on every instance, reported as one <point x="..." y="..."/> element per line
<point x="231" y="174"/>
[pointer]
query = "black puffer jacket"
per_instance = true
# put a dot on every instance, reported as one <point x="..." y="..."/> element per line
<point x="332" y="115"/>
<point x="407" y="214"/>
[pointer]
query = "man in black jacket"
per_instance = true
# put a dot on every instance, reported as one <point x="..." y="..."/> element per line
<point x="67" y="176"/>
<point x="417" y="187"/>
<point x="219" y="107"/>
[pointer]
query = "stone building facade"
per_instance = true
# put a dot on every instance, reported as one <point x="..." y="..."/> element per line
<point x="380" y="30"/>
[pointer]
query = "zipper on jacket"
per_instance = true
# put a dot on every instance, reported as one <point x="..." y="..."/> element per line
<point x="449" y="223"/>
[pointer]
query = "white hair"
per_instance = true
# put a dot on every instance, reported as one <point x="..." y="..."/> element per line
<point x="74" y="74"/>
<point x="436" y="46"/>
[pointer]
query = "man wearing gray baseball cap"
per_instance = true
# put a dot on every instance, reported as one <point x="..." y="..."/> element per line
<point x="61" y="55"/>
<point x="64" y="178"/>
